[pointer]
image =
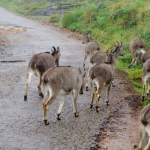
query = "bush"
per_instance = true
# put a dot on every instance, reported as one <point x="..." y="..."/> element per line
<point x="54" y="18"/>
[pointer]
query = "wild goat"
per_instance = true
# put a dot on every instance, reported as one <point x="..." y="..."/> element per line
<point x="146" y="78"/>
<point x="102" y="75"/>
<point x="137" y="48"/>
<point x="99" y="57"/>
<point x="38" y="64"/>
<point x="91" y="47"/>
<point x="61" y="81"/>
<point x="145" y="57"/>
<point x="144" y="128"/>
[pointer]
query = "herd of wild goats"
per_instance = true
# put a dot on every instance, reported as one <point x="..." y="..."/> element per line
<point x="60" y="81"/>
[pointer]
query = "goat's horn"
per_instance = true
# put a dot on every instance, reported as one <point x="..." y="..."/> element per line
<point x="54" y="49"/>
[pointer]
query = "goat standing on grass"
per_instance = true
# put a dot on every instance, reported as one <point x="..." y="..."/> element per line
<point x="91" y="47"/>
<point x="102" y="75"/>
<point x="145" y="57"/>
<point x="145" y="128"/>
<point x="40" y="63"/>
<point x="137" y="48"/>
<point x="61" y="81"/>
<point x="146" y="79"/>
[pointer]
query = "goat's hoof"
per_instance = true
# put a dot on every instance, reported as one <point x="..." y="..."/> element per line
<point x="76" y="114"/>
<point x="107" y="104"/>
<point x="113" y="85"/>
<point x="46" y="122"/>
<point x="91" y="106"/>
<point x="87" y="88"/>
<point x="25" y="97"/>
<point x="41" y="95"/>
<point x="97" y="109"/>
<point x="58" y="117"/>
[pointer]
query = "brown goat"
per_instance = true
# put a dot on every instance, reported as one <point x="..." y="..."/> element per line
<point x="103" y="74"/>
<point x="146" y="78"/>
<point x="99" y="57"/>
<point x="137" y="48"/>
<point x="145" y="57"/>
<point x="40" y="63"/>
<point x="144" y="128"/>
<point x="91" y="47"/>
<point x="61" y="81"/>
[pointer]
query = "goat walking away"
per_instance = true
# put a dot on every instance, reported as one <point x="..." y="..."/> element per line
<point x="61" y="81"/>
<point x="40" y="63"/>
<point x="146" y="79"/>
<point x="103" y="74"/>
<point x="137" y="48"/>
<point x="100" y="57"/>
<point x="91" y="47"/>
<point x="144" y="128"/>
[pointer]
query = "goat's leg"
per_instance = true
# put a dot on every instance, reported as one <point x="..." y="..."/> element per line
<point x="148" y="145"/>
<point x="84" y="59"/>
<point x="144" y="91"/>
<point x="46" y="105"/>
<point x="39" y="87"/>
<point x="87" y="83"/>
<point x="148" y="90"/>
<point x="98" y="92"/>
<point x="61" y="98"/>
<point x="133" y="60"/>
<point x="107" y="94"/>
<point x="143" y="137"/>
<point x="75" y="95"/>
<point x="92" y="94"/>
<point x="29" y="75"/>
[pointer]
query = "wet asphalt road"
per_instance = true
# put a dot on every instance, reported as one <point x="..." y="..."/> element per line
<point x="21" y="122"/>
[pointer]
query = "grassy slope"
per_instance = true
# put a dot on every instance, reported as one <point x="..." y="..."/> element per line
<point x="107" y="21"/>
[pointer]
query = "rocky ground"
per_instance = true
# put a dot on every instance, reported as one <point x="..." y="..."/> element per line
<point x="21" y="123"/>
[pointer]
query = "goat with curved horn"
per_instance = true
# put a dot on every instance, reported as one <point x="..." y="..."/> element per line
<point x="38" y="64"/>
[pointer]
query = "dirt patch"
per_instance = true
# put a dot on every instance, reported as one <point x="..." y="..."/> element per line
<point x="120" y="131"/>
<point x="11" y="29"/>
<point x="5" y="30"/>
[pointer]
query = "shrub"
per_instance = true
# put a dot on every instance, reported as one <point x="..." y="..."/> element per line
<point x="54" y="18"/>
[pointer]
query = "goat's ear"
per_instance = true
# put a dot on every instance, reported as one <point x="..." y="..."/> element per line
<point x="52" y="50"/>
<point x="58" y="50"/>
